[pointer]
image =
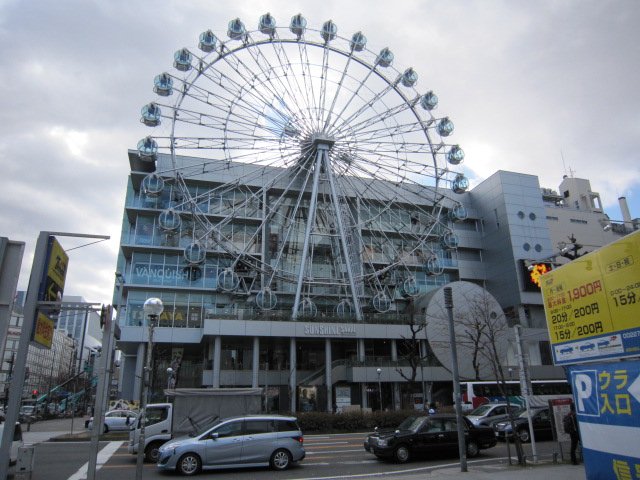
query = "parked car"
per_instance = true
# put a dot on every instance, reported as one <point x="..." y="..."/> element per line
<point x="245" y="441"/>
<point x="540" y="419"/>
<point x="420" y="435"/>
<point x="27" y="413"/>
<point x="16" y="443"/>
<point x="489" y="413"/>
<point x="116" y="420"/>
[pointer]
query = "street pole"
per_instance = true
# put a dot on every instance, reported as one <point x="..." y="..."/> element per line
<point x="170" y="383"/>
<point x="379" y="371"/>
<point x="152" y="308"/>
<point x="448" y="304"/>
<point x="524" y="387"/>
<point x="98" y="406"/>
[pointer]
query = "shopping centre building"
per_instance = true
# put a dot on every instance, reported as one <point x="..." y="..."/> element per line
<point x="230" y="322"/>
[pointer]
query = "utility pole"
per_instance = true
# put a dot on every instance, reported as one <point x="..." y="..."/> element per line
<point x="98" y="408"/>
<point x="153" y="308"/>
<point x="525" y="388"/>
<point x="462" y="451"/>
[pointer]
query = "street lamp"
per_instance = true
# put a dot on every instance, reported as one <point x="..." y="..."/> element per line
<point x="379" y="371"/>
<point x="153" y="307"/>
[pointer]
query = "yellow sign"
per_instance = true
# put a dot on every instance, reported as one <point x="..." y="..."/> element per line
<point x="594" y="295"/>
<point x="56" y="271"/>
<point x="43" y="331"/>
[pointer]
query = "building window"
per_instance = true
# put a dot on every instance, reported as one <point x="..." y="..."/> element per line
<point x="532" y="216"/>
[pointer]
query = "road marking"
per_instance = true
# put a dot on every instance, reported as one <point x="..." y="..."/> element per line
<point x="101" y="459"/>
<point x="335" y="451"/>
<point x="324" y="443"/>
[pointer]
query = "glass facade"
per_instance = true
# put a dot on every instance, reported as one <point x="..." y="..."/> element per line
<point x="243" y="235"/>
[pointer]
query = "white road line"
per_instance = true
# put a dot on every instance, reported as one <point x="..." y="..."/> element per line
<point x="323" y="452"/>
<point x="324" y="443"/>
<point x="103" y="456"/>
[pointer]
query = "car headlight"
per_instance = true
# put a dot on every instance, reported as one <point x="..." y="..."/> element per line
<point x="169" y="446"/>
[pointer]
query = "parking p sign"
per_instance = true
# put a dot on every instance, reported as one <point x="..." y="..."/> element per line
<point x="607" y="399"/>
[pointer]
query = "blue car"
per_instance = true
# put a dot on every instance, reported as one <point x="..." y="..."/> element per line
<point x="566" y="350"/>
<point x="588" y="346"/>
<point x="249" y="441"/>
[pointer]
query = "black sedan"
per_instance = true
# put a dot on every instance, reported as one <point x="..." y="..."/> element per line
<point x="540" y="420"/>
<point x="432" y="434"/>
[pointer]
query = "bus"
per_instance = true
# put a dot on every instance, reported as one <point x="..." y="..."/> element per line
<point x="475" y="393"/>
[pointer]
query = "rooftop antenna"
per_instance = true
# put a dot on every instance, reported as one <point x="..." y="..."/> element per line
<point x="564" y="166"/>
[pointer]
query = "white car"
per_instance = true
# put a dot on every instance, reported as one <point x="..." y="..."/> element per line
<point x="15" y="444"/>
<point x="115" y="420"/>
<point x="489" y="413"/>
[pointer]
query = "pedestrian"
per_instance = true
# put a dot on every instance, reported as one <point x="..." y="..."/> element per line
<point x="570" y="424"/>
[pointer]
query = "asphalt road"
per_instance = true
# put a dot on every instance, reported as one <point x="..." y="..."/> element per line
<point x="328" y="456"/>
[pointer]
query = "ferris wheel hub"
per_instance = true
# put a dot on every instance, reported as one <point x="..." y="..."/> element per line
<point x="321" y="140"/>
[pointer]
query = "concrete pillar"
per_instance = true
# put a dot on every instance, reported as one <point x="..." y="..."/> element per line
<point x="217" y="357"/>
<point x="363" y="386"/>
<point x="137" y="383"/>
<point x="396" y="396"/>
<point x="292" y="377"/>
<point x="329" y="368"/>
<point x="255" y="367"/>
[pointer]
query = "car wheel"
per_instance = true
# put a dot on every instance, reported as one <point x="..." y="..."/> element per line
<point x="280" y="459"/>
<point x="152" y="452"/>
<point x="472" y="449"/>
<point x="402" y="454"/>
<point x="106" y="428"/>
<point x="189" y="464"/>
<point x="523" y="435"/>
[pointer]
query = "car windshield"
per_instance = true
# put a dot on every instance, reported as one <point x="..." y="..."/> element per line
<point x="411" y="423"/>
<point x="481" y="410"/>
<point x="523" y="413"/>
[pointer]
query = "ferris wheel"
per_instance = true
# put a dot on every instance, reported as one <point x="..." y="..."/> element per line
<point x="313" y="169"/>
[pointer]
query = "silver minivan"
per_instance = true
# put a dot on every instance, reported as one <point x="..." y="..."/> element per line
<point x="247" y="441"/>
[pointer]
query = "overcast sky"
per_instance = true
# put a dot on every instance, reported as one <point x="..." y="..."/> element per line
<point x="541" y="87"/>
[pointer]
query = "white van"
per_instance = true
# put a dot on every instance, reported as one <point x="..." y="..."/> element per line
<point x="15" y="444"/>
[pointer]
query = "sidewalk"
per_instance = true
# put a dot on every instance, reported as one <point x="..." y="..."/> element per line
<point x="539" y="471"/>
<point x="61" y="429"/>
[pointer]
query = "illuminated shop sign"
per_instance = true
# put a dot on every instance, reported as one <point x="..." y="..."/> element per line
<point x="532" y="273"/>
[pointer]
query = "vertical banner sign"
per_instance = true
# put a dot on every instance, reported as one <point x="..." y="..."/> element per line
<point x="51" y="290"/>
<point x="607" y="399"/>
<point x="592" y="304"/>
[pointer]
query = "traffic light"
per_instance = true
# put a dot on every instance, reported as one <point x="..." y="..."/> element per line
<point x="34" y="393"/>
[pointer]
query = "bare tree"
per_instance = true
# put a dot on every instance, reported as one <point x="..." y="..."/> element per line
<point x="486" y="334"/>
<point x="410" y="352"/>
